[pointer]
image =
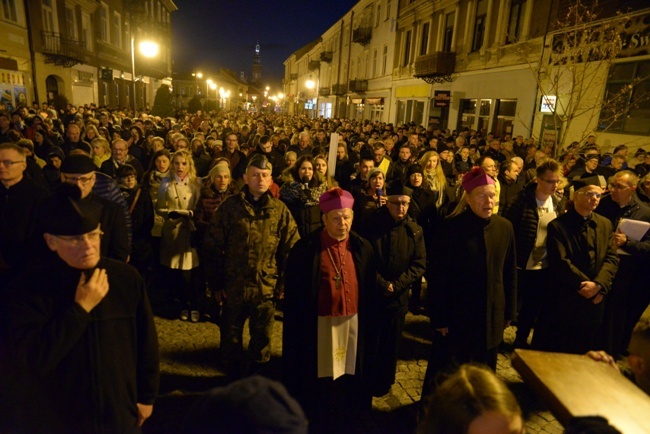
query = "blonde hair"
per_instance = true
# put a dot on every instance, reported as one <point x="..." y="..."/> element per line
<point x="191" y="169"/>
<point x="437" y="180"/>
<point x="472" y="391"/>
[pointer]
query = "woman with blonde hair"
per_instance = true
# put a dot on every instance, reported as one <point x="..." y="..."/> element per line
<point x="320" y="166"/>
<point x="178" y="196"/>
<point x="90" y="133"/>
<point x="101" y="150"/>
<point x="434" y="177"/>
<point x="469" y="401"/>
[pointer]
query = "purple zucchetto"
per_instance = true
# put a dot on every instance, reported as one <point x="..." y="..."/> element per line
<point x="476" y="178"/>
<point x="336" y="198"/>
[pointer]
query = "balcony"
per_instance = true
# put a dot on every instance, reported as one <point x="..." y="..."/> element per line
<point x="294" y="76"/>
<point x="362" y="35"/>
<point x="62" y="51"/>
<point x="324" y="91"/>
<point x="313" y="65"/>
<point x="435" y="67"/>
<point x="358" y="86"/>
<point x="339" y="89"/>
<point x="326" y="56"/>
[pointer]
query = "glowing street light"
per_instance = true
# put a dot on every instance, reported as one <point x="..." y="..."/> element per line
<point x="148" y="49"/>
<point x="310" y="84"/>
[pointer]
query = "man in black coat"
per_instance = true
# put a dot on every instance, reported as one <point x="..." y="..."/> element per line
<point x="530" y="213"/>
<point x="400" y="256"/>
<point x="582" y="264"/>
<point x="79" y="333"/>
<point x="630" y="293"/>
<point x="472" y="281"/>
<point x="80" y="170"/>
<point x="329" y="294"/>
<point x="20" y="198"/>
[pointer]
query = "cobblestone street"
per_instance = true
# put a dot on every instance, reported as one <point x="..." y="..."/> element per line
<point x="189" y="367"/>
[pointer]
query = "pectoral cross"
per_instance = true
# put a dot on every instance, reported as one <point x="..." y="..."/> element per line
<point x="338" y="279"/>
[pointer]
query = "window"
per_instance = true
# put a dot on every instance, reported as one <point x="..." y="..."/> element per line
<point x="467" y="114"/>
<point x="407" y="48"/>
<point x="479" y="25"/>
<point x="86" y="33"/>
<point x="449" y="32"/>
<point x="626" y="106"/>
<point x="387" y="10"/>
<point x="384" y="60"/>
<point x="9" y="10"/>
<point x="183" y="90"/>
<point x="378" y="17"/>
<point x="116" y="30"/>
<point x="48" y="16"/>
<point x="515" y="24"/>
<point x="71" y="23"/>
<point x="103" y="23"/>
<point x="424" y="43"/>
<point x="506" y="110"/>
<point x="374" y="63"/>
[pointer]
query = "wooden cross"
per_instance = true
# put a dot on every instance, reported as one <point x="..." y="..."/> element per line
<point x="338" y="279"/>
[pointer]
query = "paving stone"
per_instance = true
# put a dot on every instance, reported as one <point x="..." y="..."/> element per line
<point x="190" y="365"/>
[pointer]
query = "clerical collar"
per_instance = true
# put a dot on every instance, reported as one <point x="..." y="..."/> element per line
<point x="331" y="241"/>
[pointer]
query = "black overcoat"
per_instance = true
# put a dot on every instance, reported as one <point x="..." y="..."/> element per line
<point x="299" y="343"/>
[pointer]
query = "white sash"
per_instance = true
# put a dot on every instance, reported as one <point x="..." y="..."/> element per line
<point x="337" y="345"/>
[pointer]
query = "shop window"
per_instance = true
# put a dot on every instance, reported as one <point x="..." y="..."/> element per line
<point x="626" y="104"/>
<point x="505" y="116"/>
<point x="485" y="109"/>
<point x="467" y="114"/>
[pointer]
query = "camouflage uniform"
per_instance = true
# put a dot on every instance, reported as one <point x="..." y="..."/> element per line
<point x="246" y="247"/>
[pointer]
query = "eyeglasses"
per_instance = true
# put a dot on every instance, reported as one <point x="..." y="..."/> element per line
<point x="551" y="181"/>
<point x="618" y="187"/>
<point x="9" y="163"/>
<point x="400" y="202"/>
<point x="74" y="241"/>
<point x="590" y="194"/>
<point x="82" y="179"/>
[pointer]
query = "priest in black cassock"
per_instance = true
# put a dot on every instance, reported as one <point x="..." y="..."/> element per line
<point x="329" y="317"/>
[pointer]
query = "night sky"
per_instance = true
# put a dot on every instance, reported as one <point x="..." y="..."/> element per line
<point x="213" y="34"/>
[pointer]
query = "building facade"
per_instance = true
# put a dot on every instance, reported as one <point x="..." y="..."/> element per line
<point x="469" y="64"/>
<point x="85" y="51"/>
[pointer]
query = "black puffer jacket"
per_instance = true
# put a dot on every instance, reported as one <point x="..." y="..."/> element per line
<point x="522" y="213"/>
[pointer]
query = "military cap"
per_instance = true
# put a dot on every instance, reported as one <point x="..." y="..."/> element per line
<point x="260" y="161"/>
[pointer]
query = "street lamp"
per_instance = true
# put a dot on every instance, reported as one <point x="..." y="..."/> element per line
<point x="213" y="86"/>
<point x="148" y="49"/>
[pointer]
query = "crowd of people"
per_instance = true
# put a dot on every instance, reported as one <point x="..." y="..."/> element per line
<point x="225" y="215"/>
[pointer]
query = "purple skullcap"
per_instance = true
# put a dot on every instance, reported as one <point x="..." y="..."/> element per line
<point x="476" y="178"/>
<point x="335" y="198"/>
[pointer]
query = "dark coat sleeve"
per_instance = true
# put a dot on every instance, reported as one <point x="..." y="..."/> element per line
<point x="148" y="363"/>
<point x="607" y="258"/>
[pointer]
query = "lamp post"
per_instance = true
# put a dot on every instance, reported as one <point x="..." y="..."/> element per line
<point x="148" y="49"/>
<point x="213" y="86"/>
<point x="311" y="84"/>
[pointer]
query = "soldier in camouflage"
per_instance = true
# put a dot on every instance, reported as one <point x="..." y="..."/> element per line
<point x="246" y="247"/>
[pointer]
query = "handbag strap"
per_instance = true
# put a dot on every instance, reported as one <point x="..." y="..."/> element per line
<point x="137" y="196"/>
